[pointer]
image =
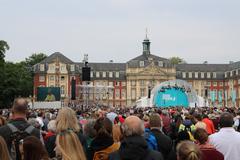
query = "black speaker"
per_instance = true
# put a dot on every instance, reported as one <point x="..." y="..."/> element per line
<point x="73" y="89"/>
<point x="86" y="74"/>
<point x="149" y="92"/>
<point x="206" y="92"/>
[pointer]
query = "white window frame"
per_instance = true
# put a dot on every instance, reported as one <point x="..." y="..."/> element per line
<point x="202" y="74"/>
<point x="72" y="68"/>
<point x="104" y="74"/>
<point x="117" y="74"/>
<point x="183" y="74"/>
<point x="41" y="78"/>
<point x="42" y="67"/>
<point x="214" y="75"/>
<point x="110" y="74"/>
<point x="91" y="74"/>
<point x="196" y="74"/>
<point x="97" y="74"/>
<point x="52" y="77"/>
<point x="189" y="74"/>
<point x="160" y="63"/>
<point x="141" y="63"/>
<point x="208" y="74"/>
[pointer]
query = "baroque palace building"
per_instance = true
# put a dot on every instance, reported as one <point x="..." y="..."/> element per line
<point x="128" y="82"/>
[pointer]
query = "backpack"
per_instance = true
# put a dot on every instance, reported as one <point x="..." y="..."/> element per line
<point x="16" y="136"/>
<point x="151" y="140"/>
<point x="104" y="154"/>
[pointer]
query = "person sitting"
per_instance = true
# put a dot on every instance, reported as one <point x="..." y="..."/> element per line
<point x="103" y="144"/>
<point x="187" y="150"/>
<point x="133" y="146"/>
<point x="208" y="150"/>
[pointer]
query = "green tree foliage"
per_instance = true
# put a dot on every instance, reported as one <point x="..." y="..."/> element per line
<point x="17" y="79"/>
<point x="177" y="60"/>
<point x="3" y="48"/>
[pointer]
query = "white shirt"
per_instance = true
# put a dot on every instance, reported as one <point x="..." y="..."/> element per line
<point x="40" y="121"/>
<point x="227" y="141"/>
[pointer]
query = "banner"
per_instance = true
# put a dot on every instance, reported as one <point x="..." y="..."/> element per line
<point x="171" y="97"/>
<point x="233" y="96"/>
<point x="220" y="96"/>
<point x="212" y="93"/>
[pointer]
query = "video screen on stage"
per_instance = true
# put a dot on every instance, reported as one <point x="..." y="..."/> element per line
<point x="48" y="94"/>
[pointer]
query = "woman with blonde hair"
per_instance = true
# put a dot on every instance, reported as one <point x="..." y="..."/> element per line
<point x="187" y="150"/>
<point x="68" y="146"/>
<point x="4" y="154"/>
<point x="69" y="140"/>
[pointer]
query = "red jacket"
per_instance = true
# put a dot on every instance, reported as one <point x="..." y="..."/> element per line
<point x="209" y="125"/>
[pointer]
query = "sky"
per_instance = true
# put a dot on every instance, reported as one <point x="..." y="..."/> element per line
<point x="195" y="30"/>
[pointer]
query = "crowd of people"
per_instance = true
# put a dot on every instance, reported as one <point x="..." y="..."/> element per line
<point x="104" y="133"/>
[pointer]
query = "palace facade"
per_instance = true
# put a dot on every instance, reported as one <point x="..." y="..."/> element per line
<point x="121" y="84"/>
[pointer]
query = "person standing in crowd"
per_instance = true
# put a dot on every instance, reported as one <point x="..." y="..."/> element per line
<point x="103" y="144"/>
<point x="89" y="132"/>
<point x="18" y="123"/>
<point x="68" y="146"/>
<point x="187" y="150"/>
<point x="2" y="121"/>
<point x="164" y="143"/>
<point x="4" y="154"/>
<point x="209" y="124"/>
<point x="199" y="123"/>
<point x="32" y="148"/>
<point x="133" y="145"/>
<point x="66" y="120"/>
<point x="208" y="151"/>
<point x="227" y="140"/>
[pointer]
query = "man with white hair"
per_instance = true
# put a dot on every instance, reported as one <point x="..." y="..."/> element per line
<point x="134" y="145"/>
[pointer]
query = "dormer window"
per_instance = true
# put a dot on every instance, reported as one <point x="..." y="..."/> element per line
<point x="160" y="63"/>
<point x="42" y="67"/>
<point x="141" y="63"/>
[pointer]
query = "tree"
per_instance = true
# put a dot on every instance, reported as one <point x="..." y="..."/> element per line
<point x="3" y="48"/>
<point x="176" y="60"/>
<point x="35" y="58"/>
<point x="17" y="79"/>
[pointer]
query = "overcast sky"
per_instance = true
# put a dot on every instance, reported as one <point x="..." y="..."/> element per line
<point x="196" y="30"/>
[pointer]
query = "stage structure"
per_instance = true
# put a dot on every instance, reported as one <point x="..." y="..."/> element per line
<point x="174" y="93"/>
<point x="99" y="91"/>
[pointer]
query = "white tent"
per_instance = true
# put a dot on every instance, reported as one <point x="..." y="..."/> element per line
<point x="144" y="102"/>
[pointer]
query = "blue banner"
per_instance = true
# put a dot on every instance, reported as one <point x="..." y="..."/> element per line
<point x="171" y="97"/>
<point x="212" y="93"/>
<point x="233" y="96"/>
<point x="220" y="96"/>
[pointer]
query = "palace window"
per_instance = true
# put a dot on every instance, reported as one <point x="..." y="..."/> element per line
<point x="183" y="74"/>
<point x="91" y="74"/>
<point x="41" y="67"/>
<point x="141" y="63"/>
<point x="189" y="74"/>
<point x="117" y="74"/>
<point x="214" y="75"/>
<point x="196" y="75"/>
<point x="72" y="68"/>
<point x="160" y="63"/>
<point x="41" y="78"/>
<point x="97" y="74"/>
<point x="202" y="74"/>
<point x="110" y="74"/>
<point x="52" y="78"/>
<point x="103" y="74"/>
<point x="208" y="75"/>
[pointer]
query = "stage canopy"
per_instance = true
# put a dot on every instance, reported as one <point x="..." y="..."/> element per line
<point x="174" y="93"/>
